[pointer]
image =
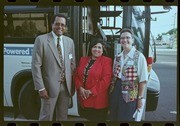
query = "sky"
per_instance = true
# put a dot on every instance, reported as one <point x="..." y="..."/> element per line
<point x="165" y="21"/>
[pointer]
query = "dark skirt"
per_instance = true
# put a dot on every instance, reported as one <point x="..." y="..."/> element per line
<point x="119" y="109"/>
<point x="92" y="114"/>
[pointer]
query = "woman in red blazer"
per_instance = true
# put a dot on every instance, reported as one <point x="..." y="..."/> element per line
<point x="92" y="79"/>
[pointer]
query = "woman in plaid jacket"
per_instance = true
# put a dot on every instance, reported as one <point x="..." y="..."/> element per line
<point x="131" y="75"/>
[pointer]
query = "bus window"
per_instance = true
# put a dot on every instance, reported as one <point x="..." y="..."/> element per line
<point x="25" y="25"/>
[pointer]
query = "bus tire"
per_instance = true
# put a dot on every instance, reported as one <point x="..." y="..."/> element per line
<point x="29" y="101"/>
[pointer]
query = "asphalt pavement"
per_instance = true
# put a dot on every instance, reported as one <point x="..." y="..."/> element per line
<point x="166" y="70"/>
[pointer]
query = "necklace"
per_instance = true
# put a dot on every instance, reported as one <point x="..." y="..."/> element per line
<point x="87" y="68"/>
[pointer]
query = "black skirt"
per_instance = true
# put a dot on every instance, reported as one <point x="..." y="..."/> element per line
<point x="92" y="114"/>
<point x="119" y="109"/>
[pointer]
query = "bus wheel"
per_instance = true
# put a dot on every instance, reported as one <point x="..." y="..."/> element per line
<point x="29" y="101"/>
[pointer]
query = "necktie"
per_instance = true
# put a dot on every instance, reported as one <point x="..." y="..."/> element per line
<point x="62" y="76"/>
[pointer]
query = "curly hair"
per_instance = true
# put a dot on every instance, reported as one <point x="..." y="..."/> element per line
<point x="96" y="41"/>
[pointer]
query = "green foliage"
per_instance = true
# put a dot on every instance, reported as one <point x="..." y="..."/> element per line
<point x="159" y="37"/>
<point x="170" y="32"/>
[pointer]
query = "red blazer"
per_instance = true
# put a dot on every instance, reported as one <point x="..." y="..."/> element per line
<point x="97" y="82"/>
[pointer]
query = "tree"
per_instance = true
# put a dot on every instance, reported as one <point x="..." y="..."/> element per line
<point x="159" y="37"/>
<point x="172" y="31"/>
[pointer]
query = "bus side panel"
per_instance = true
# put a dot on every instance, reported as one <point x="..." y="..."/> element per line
<point x="16" y="58"/>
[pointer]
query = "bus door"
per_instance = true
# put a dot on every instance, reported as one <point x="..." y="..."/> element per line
<point x="105" y="22"/>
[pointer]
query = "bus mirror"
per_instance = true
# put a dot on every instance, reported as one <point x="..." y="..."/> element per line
<point x="167" y="7"/>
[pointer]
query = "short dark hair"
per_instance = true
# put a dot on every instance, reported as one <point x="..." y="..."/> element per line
<point x="127" y="30"/>
<point x="96" y="41"/>
<point x="57" y="15"/>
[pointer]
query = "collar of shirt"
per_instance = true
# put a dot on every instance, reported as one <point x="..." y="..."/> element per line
<point x="55" y="37"/>
<point x="131" y="53"/>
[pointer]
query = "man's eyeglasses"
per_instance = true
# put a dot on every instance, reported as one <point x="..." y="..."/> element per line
<point x="122" y="38"/>
<point x="60" y="24"/>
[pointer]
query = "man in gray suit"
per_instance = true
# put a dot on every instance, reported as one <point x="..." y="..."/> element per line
<point x="53" y="76"/>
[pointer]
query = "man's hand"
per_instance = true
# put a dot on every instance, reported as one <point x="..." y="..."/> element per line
<point x="43" y="94"/>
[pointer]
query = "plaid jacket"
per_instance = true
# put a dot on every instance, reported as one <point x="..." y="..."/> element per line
<point x="129" y="77"/>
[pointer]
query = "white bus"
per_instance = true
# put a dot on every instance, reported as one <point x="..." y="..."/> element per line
<point x="23" y="23"/>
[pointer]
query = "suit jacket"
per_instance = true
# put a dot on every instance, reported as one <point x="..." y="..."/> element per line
<point x="46" y="64"/>
<point x="97" y="82"/>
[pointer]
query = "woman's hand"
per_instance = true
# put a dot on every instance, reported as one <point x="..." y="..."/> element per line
<point x="88" y="93"/>
<point x="84" y="93"/>
<point x="139" y="103"/>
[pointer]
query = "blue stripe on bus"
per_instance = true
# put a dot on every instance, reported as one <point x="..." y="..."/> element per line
<point x="20" y="51"/>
